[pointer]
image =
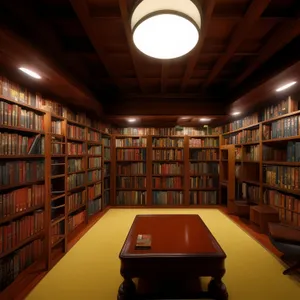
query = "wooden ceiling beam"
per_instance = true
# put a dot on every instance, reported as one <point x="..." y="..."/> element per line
<point x="253" y="13"/>
<point x="81" y="9"/>
<point x="282" y="36"/>
<point x="193" y="58"/>
<point x="132" y="48"/>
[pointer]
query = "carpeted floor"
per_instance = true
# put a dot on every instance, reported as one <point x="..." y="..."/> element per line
<point x="91" y="269"/>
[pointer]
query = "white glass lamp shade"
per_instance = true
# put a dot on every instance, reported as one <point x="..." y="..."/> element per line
<point x="166" y="29"/>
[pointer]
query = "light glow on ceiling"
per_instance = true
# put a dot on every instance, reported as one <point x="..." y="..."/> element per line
<point x="30" y="73"/>
<point x="204" y="120"/>
<point x="236" y="113"/>
<point x="286" y="86"/>
<point x="132" y="120"/>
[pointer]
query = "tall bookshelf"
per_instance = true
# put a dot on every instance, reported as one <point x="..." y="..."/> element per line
<point x="203" y="170"/>
<point x="50" y="156"/>
<point x="130" y="156"/>
<point x="270" y="162"/>
<point x="175" y="169"/>
<point x="167" y="165"/>
<point x="107" y="184"/>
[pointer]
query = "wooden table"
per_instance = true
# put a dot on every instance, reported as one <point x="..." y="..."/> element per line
<point x="182" y="247"/>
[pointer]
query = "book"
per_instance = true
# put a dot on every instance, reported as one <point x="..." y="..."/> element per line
<point x="143" y="241"/>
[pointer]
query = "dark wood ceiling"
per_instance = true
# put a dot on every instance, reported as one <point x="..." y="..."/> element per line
<point x="242" y="44"/>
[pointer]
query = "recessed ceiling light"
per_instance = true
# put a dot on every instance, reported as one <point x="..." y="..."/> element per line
<point x="166" y="29"/>
<point x="204" y="120"/>
<point x="132" y="120"/>
<point x="286" y="86"/>
<point x="235" y="113"/>
<point x="30" y="73"/>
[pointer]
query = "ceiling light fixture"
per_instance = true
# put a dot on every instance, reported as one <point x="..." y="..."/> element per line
<point x="166" y="29"/>
<point x="131" y="120"/>
<point x="286" y="86"/>
<point x="30" y="73"/>
<point x="236" y="113"/>
<point x="204" y="120"/>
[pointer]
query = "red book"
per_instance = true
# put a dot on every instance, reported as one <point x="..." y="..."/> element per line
<point x="143" y="241"/>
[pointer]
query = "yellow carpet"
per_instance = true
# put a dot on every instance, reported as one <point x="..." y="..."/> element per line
<point x="91" y="269"/>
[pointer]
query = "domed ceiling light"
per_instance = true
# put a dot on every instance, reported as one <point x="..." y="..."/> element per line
<point x="166" y="29"/>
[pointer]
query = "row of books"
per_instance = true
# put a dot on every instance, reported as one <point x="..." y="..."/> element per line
<point x="131" y="154"/>
<point x="250" y="192"/>
<point x="17" y="172"/>
<point x="282" y="176"/>
<point x="167" y="168"/>
<point x="95" y="162"/>
<point x="131" y="182"/>
<point x="12" y="265"/>
<point x="138" y="168"/>
<point x="106" y="154"/>
<point x="76" y="200"/>
<point x="276" y="198"/>
<point x="131" y="197"/>
<point x="203" y="197"/>
<point x="290" y="153"/>
<point x="94" y="191"/>
<point x="204" y="168"/>
<point x="251" y="153"/>
<point x="167" y="142"/>
<point x="204" y="182"/>
<point x="204" y="142"/>
<point x="171" y="154"/>
<point x="94" y="206"/>
<point x="78" y="117"/>
<point x="56" y="126"/>
<point x="207" y="154"/>
<point x="167" y="198"/>
<point x="94" y="175"/>
<point x="16" y="144"/>
<point x="237" y="124"/>
<point x="20" y="200"/>
<point x="286" y="216"/>
<point x="16" y="116"/>
<point x="57" y="231"/>
<point x="76" y="148"/>
<point x="131" y="142"/>
<point x="75" y="180"/>
<point x="76" y="132"/>
<point x="21" y="229"/>
<point x="106" y="141"/>
<point x="169" y="182"/>
<point x="286" y="127"/>
<point x="95" y="150"/>
<point x="94" y="136"/>
<point x="164" y="131"/>
<point x="75" y="165"/>
<point x="75" y="220"/>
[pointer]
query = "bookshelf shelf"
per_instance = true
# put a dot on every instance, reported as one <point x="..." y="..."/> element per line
<point x="57" y="241"/>
<point x="23" y="243"/>
<point x="76" y="172"/>
<point x="57" y="220"/>
<point x="77" y="208"/>
<point x="75" y="123"/>
<point x="20" y="214"/>
<point x="58" y="176"/>
<point x="29" y="156"/>
<point x="76" y="140"/>
<point x="21" y="129"/>
<point x="281" y="140"/>
<point x="21" y="104"/>
<point x="57" y="197"/>
<point x="76" y="188"/>
<point x="282" y="163"/>
<point x="294" y="113"/>
<point x="13" y="186"/>
<point x="289" y="191"/>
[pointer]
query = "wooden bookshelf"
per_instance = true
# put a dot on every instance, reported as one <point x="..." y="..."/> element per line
<point x="36" y="134"/>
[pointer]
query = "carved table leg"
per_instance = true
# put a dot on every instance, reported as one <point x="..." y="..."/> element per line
<point x="217" y="288"/>
<point x="127" y="290"/>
